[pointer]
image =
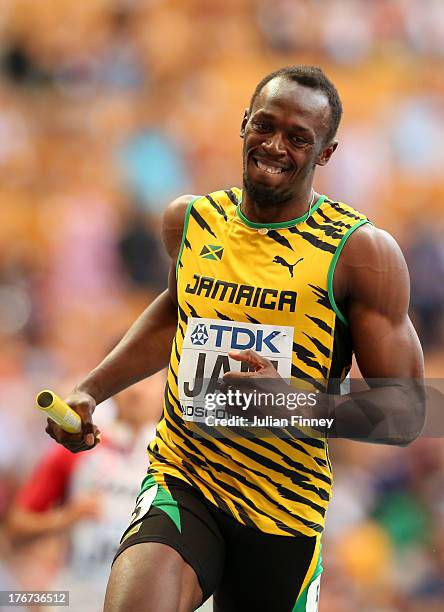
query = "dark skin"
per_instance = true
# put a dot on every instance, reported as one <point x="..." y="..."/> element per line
<point x="371" y="285"/>
<point x="285" y="130"/>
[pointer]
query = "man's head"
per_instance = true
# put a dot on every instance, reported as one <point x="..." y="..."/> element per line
<point x="288" y="129"/>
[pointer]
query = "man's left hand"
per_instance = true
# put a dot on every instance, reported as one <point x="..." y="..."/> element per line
<point x="263" y="368"/>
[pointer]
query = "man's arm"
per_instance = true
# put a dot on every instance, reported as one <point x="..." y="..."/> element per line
<point x="372" y="282"/>
<point x="375" y="280"/>
<point x="143" y="351"/>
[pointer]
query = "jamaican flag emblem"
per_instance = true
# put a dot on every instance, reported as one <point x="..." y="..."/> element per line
<point x="211" y="251"/>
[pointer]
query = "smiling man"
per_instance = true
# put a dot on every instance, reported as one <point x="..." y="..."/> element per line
<point x="293" y="282"/>
<point x="277" y="176"/>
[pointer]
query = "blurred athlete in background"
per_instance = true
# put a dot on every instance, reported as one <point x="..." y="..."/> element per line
<point x="300" y="281"/>
<point x="90" y="496"/>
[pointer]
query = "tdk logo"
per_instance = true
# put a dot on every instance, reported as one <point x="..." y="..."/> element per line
<point x="241" y="338"/>
<point x="199" y="335"/>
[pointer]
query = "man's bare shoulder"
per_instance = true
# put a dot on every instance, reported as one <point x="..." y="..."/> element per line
<point x="173" y="222"/>
<point x="371" y="246"/>
<point x="372" y="269"/>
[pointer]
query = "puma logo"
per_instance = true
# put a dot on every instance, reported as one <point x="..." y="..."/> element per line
<point x="280" y="260"/>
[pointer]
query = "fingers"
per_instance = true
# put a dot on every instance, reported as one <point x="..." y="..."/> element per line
<point x="75" y="443"/>
<point x="250" y="357"/>
<point x="84" y="409"/>
<point x="232" y="375"/>
<point x="260" y="364"/>
<point x="88" y="432"/>
<point x="89" y="437"/>
<point x="57" y="433"/>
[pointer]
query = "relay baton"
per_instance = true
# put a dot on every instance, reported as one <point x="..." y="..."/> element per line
<point x="57" y="410"/>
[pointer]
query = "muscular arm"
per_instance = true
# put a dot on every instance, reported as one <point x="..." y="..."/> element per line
<point x="143" y="350"/>
<point x="372" y="282"/>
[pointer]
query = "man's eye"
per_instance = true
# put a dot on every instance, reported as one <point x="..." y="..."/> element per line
<point x="298" y="140"/>
<point x="262" y="127"/>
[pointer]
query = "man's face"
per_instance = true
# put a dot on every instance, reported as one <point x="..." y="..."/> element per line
<point x="284" y="139"/>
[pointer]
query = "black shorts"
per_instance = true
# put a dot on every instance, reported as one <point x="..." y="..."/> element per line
<point x="244" y="568"/>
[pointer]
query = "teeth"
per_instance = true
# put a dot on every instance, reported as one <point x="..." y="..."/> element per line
<point x="269" y="169"/>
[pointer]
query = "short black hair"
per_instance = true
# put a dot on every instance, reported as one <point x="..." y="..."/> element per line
<point x="309" y="76"/>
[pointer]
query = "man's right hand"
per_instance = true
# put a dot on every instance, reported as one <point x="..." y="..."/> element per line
<point x="144" y="349"/>
<point x="84" y="404"/>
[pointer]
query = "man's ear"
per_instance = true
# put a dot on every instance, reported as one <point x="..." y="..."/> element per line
<point x="325" y="155"/>
<point x="244" y="122"/>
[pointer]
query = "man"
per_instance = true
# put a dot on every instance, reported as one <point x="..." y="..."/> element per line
<point x="299" y="280"/>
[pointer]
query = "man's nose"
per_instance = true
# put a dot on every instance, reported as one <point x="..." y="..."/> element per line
<point x="274" y="144"/>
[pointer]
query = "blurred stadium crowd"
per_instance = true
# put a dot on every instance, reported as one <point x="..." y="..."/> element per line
<point x="108" y="109"/>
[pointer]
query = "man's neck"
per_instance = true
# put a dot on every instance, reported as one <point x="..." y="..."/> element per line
<point x="281" y="213"/>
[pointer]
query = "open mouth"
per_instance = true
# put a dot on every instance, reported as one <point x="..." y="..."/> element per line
<point x="269" y="168"/>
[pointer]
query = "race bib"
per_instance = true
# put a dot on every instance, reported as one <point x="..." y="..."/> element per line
<point x="204" y="359"/>
<point x="143" y="503"/>
<point x="313" y="596"/>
